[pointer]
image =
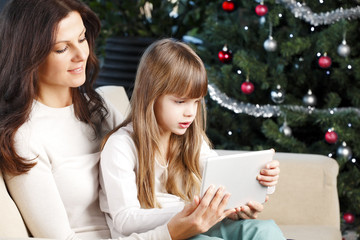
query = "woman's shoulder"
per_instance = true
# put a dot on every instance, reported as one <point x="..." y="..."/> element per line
<point x="27" y="140"/>
<point x="24" y="133"/>
<point x="32" y="126"/>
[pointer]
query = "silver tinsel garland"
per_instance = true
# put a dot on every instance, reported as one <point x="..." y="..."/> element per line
<point x="268" y="111"/>
<point x="300" y="10"/>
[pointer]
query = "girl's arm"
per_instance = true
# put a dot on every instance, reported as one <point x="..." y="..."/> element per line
<point x="118" y="197"/>
<point x="196" y="217"/>
<point x="200" y="215"/>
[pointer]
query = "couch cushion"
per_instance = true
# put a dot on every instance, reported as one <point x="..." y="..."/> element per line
<point x="306" y="193"/>
<point x="116" y="95"/>
<point x="306" y="232"/>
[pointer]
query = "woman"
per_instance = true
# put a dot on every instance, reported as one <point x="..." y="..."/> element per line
<point x="51" y="118"/>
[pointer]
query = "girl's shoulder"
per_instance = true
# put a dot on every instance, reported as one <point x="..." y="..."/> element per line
<point x="120" y="147"/>
<point x="121" y="137"/>
<point x="125" y="131"/>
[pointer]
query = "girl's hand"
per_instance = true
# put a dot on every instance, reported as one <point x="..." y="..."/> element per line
<point x="249" y="211"/>
<point x="200" y="215"/>
<point x="269" y="176"/>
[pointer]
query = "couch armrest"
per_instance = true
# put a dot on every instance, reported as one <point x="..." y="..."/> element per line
<point x="11" y="223"/>
<point x="116" y="95"/>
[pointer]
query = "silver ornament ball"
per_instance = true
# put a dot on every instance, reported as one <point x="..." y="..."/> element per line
<point x="278" y="95"/>
<point x="286" y="130"/>
<point x="343" y="49"/>
<point x="309" y="99"/>
<point x="270" y="44"/>
<point x="344" y="151"/>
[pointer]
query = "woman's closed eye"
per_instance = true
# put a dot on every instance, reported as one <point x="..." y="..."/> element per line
<point x="62" y="50"/>
<point x="67" y="47"/>
<point x="82" y="39"/>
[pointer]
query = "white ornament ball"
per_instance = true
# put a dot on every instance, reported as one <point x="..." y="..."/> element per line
<point x="286" y="130"/>
<point x="278" y="95"/>
<point x="344" y="151"/>
<point x="270" y="44"/>
<point x="309" y="99"/>
<point x="343" y="49"/>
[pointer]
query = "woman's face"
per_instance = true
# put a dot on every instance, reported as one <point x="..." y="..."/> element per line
<point x="65" y="65"/>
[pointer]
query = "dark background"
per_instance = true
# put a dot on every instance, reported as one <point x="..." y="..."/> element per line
<point x="2" y="3"/>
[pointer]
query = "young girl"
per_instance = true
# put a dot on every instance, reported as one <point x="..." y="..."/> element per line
<point x="151" y="164"/>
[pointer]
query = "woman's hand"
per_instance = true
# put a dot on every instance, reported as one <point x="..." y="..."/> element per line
<point x="249" y="211"/>
<point x="269" y="176"/>
<point x="200" y="215"/>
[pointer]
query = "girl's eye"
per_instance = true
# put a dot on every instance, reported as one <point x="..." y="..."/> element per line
<point x="179" y="102"/>
<point x="62" y="50"/>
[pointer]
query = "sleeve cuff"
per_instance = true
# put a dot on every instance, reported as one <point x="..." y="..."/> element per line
<point x="271" y="190"/>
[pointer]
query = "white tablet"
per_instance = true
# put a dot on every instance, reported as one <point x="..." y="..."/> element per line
<point x="237" y="173"/>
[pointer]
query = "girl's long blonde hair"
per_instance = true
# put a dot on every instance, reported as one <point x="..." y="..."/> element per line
<point x="167" y="67"/>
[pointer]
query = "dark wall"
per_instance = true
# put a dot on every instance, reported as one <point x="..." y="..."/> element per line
<point x="2" y="3"/>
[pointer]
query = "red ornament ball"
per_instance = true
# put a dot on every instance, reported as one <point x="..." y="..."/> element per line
<point x="349" y="218"/>
<point x="225" y="56"/>
<point x="261" y="10"/>
<point x="247" y="87"/>
<point x="324" y="62"/>
<point x="331" y="137"/>
<point x="228" y="6"/>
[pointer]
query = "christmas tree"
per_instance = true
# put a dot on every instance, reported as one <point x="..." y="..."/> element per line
<point x="285" y="75"/>
<point x="282" y="74"/>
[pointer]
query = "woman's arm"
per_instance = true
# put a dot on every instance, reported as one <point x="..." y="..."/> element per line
<point x="35" y="194"/>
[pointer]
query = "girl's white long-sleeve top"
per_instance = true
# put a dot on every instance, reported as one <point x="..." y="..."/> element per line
<point x="59" y="197"/>
<point x="118" y="195"/>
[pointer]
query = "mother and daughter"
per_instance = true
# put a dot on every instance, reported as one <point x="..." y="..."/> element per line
<point x="53" y="123"/>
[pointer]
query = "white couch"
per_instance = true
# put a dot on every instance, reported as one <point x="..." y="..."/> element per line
<point x="305" y="204"/>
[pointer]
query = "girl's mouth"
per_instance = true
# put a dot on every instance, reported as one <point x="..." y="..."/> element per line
<point x="185" y="124"/>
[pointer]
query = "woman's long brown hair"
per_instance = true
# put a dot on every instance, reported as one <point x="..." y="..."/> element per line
<point x="27" y="34"/>
<point x="167" y="67"/>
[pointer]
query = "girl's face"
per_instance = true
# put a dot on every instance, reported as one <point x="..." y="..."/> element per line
<point x="65" y="65"/>
<point x="175" y="114"/>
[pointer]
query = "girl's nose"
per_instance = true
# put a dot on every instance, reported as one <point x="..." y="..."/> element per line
<point x="190" y="110"/>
